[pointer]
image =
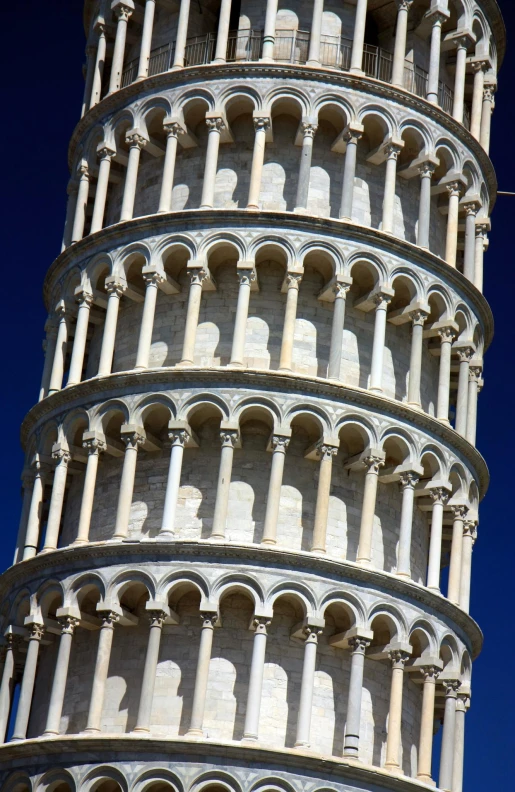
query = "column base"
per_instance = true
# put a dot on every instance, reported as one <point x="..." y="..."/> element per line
<point x="414" y="405"/>
<point x="195" y="733"/>
<point x="269" y="542"/>
<point x="165" y="536"/>
<point x="50" y="733"/>
<point x="91" y="730"/>
<point x="217" y="538"/>
<point x="301" y="744"/>
<point x="79" y="543"/>
<point x="405" y="575"/>
<point x="177" y="66"/>
<point x="426" y="779"/>
<point x="47" y="550"/>
<point x="140" y="730"/>
<point x="364" y="562"/>
<point x="376" y="389"/>
<point x="319" y="550"/>
<point x="252" y="208"/>
<point x="249" y="738"/>
<point x="357" y="72"/>
<point x="435" y="590"/>
<point x="394" y="768"/>
<point x="314" y="63"/>
<point x="285" y="370"/>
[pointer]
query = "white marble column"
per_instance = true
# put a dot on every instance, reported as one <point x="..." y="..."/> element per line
<point x="306" y="687"/>
<point x="96" y="88"/>
<point x="325" y="453"/>
<point x="373" y="464"/>
<point x="7" y="686"/>
<point x="182" y="34"/>
<point x="255" y="689"/>
<point x="459" y="79"/>
<point x="315" y="33"/>
<point x="399" y="51"/>
<point x="454" y="190"/>
<point x="358" y="646"/>
<point x="132" y="440"/>
<point x="269" y="31"/>
<point x="85" y="301"/>
<point x="392" y="152"/>
<point x="27" y="685"/>
<point x="94" y="445"/>
<point x="293" y="280"/>
<point x="407" y="481"/>
<point x="204" y="657"/>
<point x="173" y="129"/>
<point x="123" y="10"/>
<point x="430" y="674"/>
<point x="49" y="345"/>
<point x="152" y="280"/>
<point x="464" y="356"/>
<point x="136" y="143"/>
<point x="462" y="704"/>
<point x="481" y="242"/>
<point x="71" y="208"/>
<point x="308" y="135"/>
<point x="426" y="171"/>
<point x="246" y="276"/>
<point x="398" y="660"/>
<point x="179" y="438"/>
<point x="261" y="126"/>
<point x="62" y="457"/>
<point x="453" y="590"/>
<point x="418" y="319"/>
<point x="340" y="290"/>
<point x="474" y="384"/>
<point x="143" y="719"/>
<point x="351" y="137"/>
<point x="358" y="39"/>
<point x="382" y="302"/>
<point x="229" y="439"/>
<point x="215" y="127"/>
<point x="469" y="538"/>
<point x="447" y="335"/>
<point x="486" y="117"/>
<point x="448" y="734"/>
<point x="437" y="20"/>
<point x="477" y="98"/>
<point x="222" y="35"/>
<point x="56" y="377"/>
<point x="114" y="289"/>
<point x="31" y="542"/>
<point x="439" y="497"/>
<point x="146" y="39"/>
<point x="79" y="220"/>
<point x="55" y="707"/>
<point x="106" y="154"/>
<point x="105" y="643"/>
<point x="197" y="276"/>
<point x="279" y="446"/>
<point x="469" y="260"/>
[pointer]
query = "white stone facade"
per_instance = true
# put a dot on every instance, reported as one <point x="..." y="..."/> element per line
<point x="251" y="488"/>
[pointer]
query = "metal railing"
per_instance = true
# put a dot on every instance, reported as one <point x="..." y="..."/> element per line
<point x="292" y="46"/>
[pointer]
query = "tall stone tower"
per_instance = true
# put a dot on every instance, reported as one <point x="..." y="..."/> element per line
<point x="251" y="486"/>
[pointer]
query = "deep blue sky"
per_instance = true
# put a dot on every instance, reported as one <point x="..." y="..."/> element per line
<point x="41" y="57"/>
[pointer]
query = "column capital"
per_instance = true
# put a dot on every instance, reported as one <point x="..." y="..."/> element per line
<point x="280" y="443"/>
<point x="447" y="334"/>
<point x="373" y="463"/>
<point x="109" y="618"/>
<point x="260" y="624"/>
<point x="430" y="672"/>
<point x="470" y="529"/>
<point x="480" y="64"/>
<point x="465" y="353"/>
<point x="132" y="436"/>
<point x="156" y="618"/>
<point x="135" y="139"/>
<point x="398" y="658"/>
<point x="246" y="275"/>
<point x="100" y="27"/>
<point x="83" y="169"/>
<point x="418" y="317"/>
<point x="114" y="286"/>
<point x="408" y="479"/>
<point x="382" y="300"/>
<point x="179" y="437"/>
<point x="123" y="9"/>
<point x="105" y="151"/>
<point x="83" y="297"/>
<point x="152" y="277"/>
<point x="173" y="128"/>
<point x="358" y="644"/>
<point x="309" y="129"/>
<point x="454" y="188"/>
<point x="471" y="206"/>
<point x="404" y="5"/>
<point x="61" y="454"/>
<point x="216" y="124"/>
<point x="325" y="451"/>
<point x="392" y="150"/>
<point x="437" y="16"/>
<point x="94" y="442"/>
<point x="439" y="495"/>
<point x="353" y="132"/>
<point x="208" y="618"/>
<point x="489" y="92"/>
<point x="311" y="632"/>
<point x="229" y="437"/>
<point x="36" y="630"/>
<point x="340" y="289"/>
<point x="451" y="687"/>
<point x="262" y="123"/>
<point x="68" y="624"/>
<point x="459" y="510"/>
<point x="197" y="275"/>
<point x="426" y="168"/>
<point x="293" y="280"/>
<point x="475" y="372"/>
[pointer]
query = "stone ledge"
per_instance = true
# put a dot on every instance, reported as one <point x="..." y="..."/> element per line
<point x="126" y="747"/>
<point x="151" y="550"/>
<point x="260" y="380"/>
<point x="192" y="219"/>
<point x="109" y="105"/>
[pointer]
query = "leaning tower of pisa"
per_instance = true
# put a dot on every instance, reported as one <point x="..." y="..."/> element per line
<point x="250" y="493"/>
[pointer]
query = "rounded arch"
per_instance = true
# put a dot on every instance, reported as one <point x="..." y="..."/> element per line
<point x="193" y="99"/>
<point x="173" y="253"/>
<point x="149" y="107"/>
<point x="327" y="258"/>
<point x="356" y="433"/>
<point x="18" y="782"/>
<point x="449" y="653"/>
<point x="157" y="780"/>
<point x="112" y="412"/>
<point x="312" y="418"/>
<point x="235" y="96"/>
<point x="87" y="585"/>
<point x="271" y="246"/>
<point x="297" y="592"/>
<point x="398" y="446"/>
<point x="259" y="407"/>
<point x="433" y="462"/>
<point x="333" y="104"/>
<point x="53" y="781"/>
<point x="132" y="257"/>
<point x="126" y="579"/>
<point x="423" y="639"/>
<point x="238" y="582"/>
<point x="152" y="403"/>
<point x="288" y="100"/>
<point x="272" y="784"/>
<point x="96" y="271"/>
<point x="215" y="781"/>
<point x="75" y="424"/>
<point x="49" y="597"/>
<point x="352" y="604"/>
<point x="104" y="776"/>
<point x="386" y="619"/>
<point x="174" y="585"/>
<point x="203" y="406"/>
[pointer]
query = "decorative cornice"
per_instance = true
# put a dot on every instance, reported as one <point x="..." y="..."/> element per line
<point x="149" y="551"/>
<point x="259" y="380"/>
<point x="193" y="219"/>
<point x="244" y="69"/>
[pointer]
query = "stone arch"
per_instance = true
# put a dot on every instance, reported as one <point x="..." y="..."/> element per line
<point x="132" y="257"/>
<point x="56" y="780"/>
<point x="121" y="122"/>
<point x="433" y="462"/>
<point x="260" y="405"/>
<point x="352" y="604"/>
<point x="96" y="271"/>
<point x="49" y="435"/>
<point x="458" y="480"/>
<point x="200" y="403"/>
<point x="449" y="653"/>
<point x="238" y="94"/>
<point x="423" y="638"/>
<point x="157" y="780"/>
<point x="126" y="580"/>
<point x="297" y="592"/>
<point x="75" y="424"/>
<point x="173" y="252"/>
<point x="330" y="260"/>
<point x="272" y="784"/>
<point x="88" y="585"/>
<point x="384" y="620"/>
<point x="238" y="583"/>
<point x="20" y="607"/>
<point x="149" y="106"/>
<point x="312" y="416"/>
<point x="19" y="781"/>
<point x="104" y="415"/>
<point x="173" y="586"/>
<point x="145" y="406"/>
<point x="356" y="433"/>
<point x="49" y="597"/>
<point x="104" y="779"/>
<point x="215" y="781"/>
<point x="272" y="245"/>
<point x="398" y="446"/>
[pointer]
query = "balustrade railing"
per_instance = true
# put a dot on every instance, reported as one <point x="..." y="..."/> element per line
<point x="292" y="46"/>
